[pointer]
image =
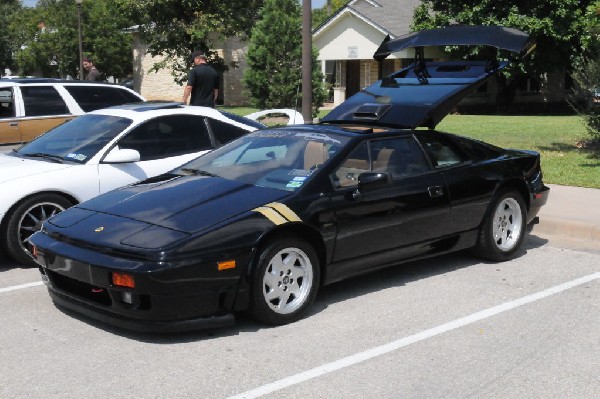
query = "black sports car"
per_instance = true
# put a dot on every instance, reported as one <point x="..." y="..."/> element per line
<point x="261" y="223"/>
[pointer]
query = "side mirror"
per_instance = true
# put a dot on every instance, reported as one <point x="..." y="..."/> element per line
<point x="117" y="155"/>
<point x="369" y="181"/>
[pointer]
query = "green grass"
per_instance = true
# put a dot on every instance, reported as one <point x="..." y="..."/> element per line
<point x="555" y="137"/>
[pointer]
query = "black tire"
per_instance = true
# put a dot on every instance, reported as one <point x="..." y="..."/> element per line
<point x="503" y="230"/>
<point x="287" y="270"/>
<point x="27" y="218"/>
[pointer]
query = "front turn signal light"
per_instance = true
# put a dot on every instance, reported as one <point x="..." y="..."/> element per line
<point x="228" y="264"/>
<point x="123" y="280"/>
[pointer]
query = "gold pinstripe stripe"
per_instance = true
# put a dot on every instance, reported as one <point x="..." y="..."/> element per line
<point x="285" y="211"/>
<point x="271" y="214"/>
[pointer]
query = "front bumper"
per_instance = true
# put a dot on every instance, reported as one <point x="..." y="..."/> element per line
<point x="165" y="298"/>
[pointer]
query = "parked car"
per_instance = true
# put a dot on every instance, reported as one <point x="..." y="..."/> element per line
<point x="262" y="223"/>
<point x="98" y="152"/>
<point x="31" y="106"/>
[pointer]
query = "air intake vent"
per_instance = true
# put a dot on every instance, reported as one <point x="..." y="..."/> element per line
<point x="371" y="112"/>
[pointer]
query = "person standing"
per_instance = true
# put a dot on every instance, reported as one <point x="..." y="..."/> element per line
<point x="203" y="83"/>
<point x="93" y="73"/>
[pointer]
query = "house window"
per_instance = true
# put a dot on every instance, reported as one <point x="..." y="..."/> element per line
<point x="529" y="85"/>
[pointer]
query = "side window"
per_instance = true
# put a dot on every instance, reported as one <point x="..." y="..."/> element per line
<point x="7" y="108"/>
<point x="91" y="98"/>
<point x="42" y="101"/>
<point x="168" y="136"/>
<point x="442" y="152"/>
<point x="356" y="163"/>
<point x="399" y="157"/>
<point x="224" y="132"/>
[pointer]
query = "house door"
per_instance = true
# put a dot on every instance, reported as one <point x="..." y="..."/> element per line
<point x="352" y="77"/>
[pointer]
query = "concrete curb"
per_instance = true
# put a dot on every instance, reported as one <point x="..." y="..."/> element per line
<point x="572" y="229"/>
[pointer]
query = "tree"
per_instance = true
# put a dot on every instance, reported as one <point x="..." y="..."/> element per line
<point x="7" y="9"/>
<point x="49" y="44"/>
<point x="555" y="25"/>
<point x="321" y="15"/>
<point x="175" y="28"/>
<point x="586" y="74"/>
<point x="274" y="73"/>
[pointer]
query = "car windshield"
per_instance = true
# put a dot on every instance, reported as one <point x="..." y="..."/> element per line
<point x="77" y="140"/>
<point x="279" y="159"/>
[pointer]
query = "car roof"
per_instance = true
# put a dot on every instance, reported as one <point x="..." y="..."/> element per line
<point x="423" y="93"/>
<point x="27" y="81"/>
<point x="145" y="110"/>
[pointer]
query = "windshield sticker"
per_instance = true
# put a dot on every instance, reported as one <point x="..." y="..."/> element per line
<point x="71" y="155"/>
<point x="294" y="184"/>
<point x="318" y="137"/>
<point x="300" y="172"/>
<point x="299" y="178"/>
<point x="80" y="157"/>
<point x="271" y="133"/>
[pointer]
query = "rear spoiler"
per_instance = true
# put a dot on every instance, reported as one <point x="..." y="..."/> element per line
<point x="510" y="39"/>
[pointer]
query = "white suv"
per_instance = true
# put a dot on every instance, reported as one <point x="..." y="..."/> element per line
<point x="31" y="106"/>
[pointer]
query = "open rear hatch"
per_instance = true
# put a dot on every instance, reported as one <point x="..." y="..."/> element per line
<point x="425" y="92"/>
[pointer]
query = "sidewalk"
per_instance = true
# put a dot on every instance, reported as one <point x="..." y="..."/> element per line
<point x="572" y="213"/>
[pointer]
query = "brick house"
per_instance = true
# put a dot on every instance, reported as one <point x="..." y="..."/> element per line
<point x="160" y="85"/>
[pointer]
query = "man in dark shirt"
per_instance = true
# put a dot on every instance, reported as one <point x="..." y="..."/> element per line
<point x="203" y="82"/>
<point x="93" y="74"/>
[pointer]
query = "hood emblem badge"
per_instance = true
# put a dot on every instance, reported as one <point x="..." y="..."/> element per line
<point x="99" y="229"/>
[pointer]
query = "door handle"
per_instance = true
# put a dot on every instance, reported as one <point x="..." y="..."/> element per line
<point x="14" y="124"/>
<point x="435" y="191"/>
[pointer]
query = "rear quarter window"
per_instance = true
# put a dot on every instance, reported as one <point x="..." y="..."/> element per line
<point x="43" y="101"/>
<point x="224" y="132"/>
<point x="91" y="98"/>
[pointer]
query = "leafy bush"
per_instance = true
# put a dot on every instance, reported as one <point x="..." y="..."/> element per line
<point x="586" y="95"/>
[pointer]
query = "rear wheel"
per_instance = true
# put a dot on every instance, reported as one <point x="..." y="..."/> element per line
<point x="503" y="229"/>
<point x="284" y="282"/>
<point x="27" y="218"/>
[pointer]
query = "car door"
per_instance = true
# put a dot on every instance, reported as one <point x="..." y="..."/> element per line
<point x="44" y="108"/>
<point x="164" y="143"/>
<point x="9" y="124"/>
<point x="409" y="209"/>
<point x="469" y="179"/>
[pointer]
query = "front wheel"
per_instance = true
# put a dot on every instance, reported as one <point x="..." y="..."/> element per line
<point x="503" y="230"/>
<point x="26" y="219"/>
<point x="284" y="281"/>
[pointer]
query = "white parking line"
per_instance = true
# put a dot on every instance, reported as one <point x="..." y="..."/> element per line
<point x="20" y="287"/>
<point x="402" y="342"/>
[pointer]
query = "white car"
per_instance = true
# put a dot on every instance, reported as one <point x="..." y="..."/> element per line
<point x="98" y="152"/>
<point x="32" y="106"/>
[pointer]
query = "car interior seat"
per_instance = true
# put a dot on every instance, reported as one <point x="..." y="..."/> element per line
<point x="315" y="154"/>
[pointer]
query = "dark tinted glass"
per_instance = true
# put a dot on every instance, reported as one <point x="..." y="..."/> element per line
<point x="443" y="152"/>
<point x="168" y="136"/>
<point x="43" y="100"/>
<point x="7" y="109"/>
<point x="224" y="132"/>
<point x="91" y="98"/>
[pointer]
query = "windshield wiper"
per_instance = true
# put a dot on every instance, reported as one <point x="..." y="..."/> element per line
<point x="197" y="172"/>
<point x="50" y="157"/>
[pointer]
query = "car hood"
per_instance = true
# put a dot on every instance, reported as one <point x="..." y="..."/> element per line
<point x="160" y="211"/>
<point x="425" y="92"/>
<point x="14" y="168"/>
